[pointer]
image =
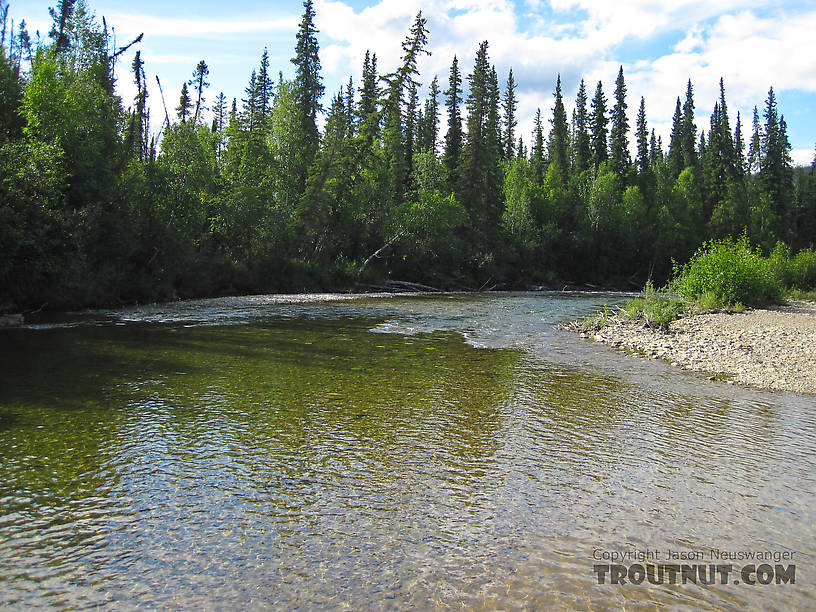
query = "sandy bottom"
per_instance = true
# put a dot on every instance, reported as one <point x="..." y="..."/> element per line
<point x="772" y="348"/>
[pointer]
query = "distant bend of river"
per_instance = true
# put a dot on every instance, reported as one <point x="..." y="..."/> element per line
<point x="405" y="453"/>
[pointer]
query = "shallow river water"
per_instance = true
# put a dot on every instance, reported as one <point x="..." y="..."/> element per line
<point x="404" y="453"/>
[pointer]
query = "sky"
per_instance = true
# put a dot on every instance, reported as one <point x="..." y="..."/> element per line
<point x="751" y="44"/>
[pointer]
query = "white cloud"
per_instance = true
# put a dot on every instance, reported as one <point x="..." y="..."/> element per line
<point x="802" y="157"/>
<point x="728" y="39"/>
<point x="134" y="24"/>
<point x="752" y="44"/>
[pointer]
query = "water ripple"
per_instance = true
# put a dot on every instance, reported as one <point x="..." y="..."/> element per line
<point x="366" y="455"/>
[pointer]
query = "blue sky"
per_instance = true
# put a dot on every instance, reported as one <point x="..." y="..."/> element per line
<point x="752" y="44"/>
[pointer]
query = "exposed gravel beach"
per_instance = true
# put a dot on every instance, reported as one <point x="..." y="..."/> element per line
<point x="772" y="348"/>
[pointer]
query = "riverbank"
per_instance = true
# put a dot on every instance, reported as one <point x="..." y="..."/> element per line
<point x="770" y="348"/>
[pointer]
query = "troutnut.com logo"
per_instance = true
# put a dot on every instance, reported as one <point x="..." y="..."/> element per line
<point x="633" y="566"/>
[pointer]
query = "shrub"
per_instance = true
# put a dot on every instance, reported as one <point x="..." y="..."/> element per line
<point x="654" y="308"/>
<point x="727" y="272"/>
<point x="792" y="273"/>
<point x="802" y="270"/>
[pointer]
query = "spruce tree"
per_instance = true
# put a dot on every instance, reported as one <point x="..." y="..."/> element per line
<point x="509" y="105"/>
<point x="199" y="84"/>
<point x="185" y="107"/>
<point x="642" y="132"/>
<point x="396" y="148"/>
<point x="453" y="137"/>
<point x="675" y="155"/>
<point x="430" y="119"/>
<point x="250" y="106"/>
<point x="61" y="16"/>
<point x="738" y="161"/>
<point x="581" y="141"/>
<point x="776" y="174"/>
<point x="410" y="131"/>
<point x="598" y="123"/>
<point x="713" y="171"/>
<point x="688" y="132"/>
<point x="308" y="90"/>
<point x="351" y="115"/>
<point x="479" y="183"/>
<point x="719" y="165"/>
<point x="538" y="160"/>
<point x="494" y="121"/>
<point x="264" y="87"/>
<point x="368" y="117"/>
<point x="368" y="89"/>
<point x="559" y="135"/>
<point x="138" y="130"/>
<point x="755" y="146"/>
<point x="655" y="150"/>
<point x="726" y="142"/>
<point x="619" y="134"/>
<point x="220" y="113"/>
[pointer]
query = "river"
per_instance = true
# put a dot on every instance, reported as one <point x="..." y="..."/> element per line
<point x="403" y="453"/>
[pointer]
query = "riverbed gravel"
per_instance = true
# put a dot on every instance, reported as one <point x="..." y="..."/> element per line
<point x="771" y="348"/>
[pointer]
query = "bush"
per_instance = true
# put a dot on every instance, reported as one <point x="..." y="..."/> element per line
<point x="802" y="271"/>
<point x="728" y="272"/>
<point x="655" y="308"/>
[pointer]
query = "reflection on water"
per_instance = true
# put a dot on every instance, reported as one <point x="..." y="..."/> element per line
<point x="406" y="453"/>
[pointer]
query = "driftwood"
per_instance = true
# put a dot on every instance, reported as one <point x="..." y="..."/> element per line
<point x="400" y="287"/>
<point x="412" y="286"/>
<point x="485" y="286"/>
<point x="377" y="287"/>
<point x="376" y="254"/>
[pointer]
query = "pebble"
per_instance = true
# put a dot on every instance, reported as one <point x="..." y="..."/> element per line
<point x="773" y="348"/>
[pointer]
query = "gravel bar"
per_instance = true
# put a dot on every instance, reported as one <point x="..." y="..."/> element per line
<point x="771" y="348"/>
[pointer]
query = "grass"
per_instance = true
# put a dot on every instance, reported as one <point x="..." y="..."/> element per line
<point x="654" y="308"/>
<point x="723" y="275"/>
<point x="798" y="294"/>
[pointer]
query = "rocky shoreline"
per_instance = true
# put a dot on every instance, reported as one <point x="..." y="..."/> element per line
<point x="772" y="348"/>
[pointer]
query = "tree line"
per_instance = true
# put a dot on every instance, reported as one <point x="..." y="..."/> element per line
<point x="99" y="206"/>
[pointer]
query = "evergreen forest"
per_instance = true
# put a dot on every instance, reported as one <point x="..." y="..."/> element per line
<point x="288" y="188"/>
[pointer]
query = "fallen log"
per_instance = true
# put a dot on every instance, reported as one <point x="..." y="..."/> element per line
<point x="412" y="286"/>
<point x="386" y="288"/>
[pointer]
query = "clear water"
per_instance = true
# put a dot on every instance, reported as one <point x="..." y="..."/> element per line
<point x="407" y="453"/>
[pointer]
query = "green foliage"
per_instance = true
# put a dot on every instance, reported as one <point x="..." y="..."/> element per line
<point x="603" y="206"/>
<point x="618" y="134"/>
<point x="793" y="272"/>
<point x="729" y="271"/>
<point x="70" y="107"/>
<point x="265" y="200"/>
<point x="11" y="92"/>
<point x="654" y="308"/>
<point x="518" y="196"/>
<point x="36" y="243"/>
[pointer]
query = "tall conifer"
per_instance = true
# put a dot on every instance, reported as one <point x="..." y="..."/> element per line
<point x="453" y="137"/>
<point x="642" y="133"/>
<point x="538" y="160"/>
<point x="619" y="134"/>
<point x="308" y="90"/>
<point x="559" y="135"/>
<point x="688" y="134"/>
<point x="598" y="123"/>
<point x="581" y="141"/>
<point x="509" y="105"/>
<point x="675" y="155"/>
